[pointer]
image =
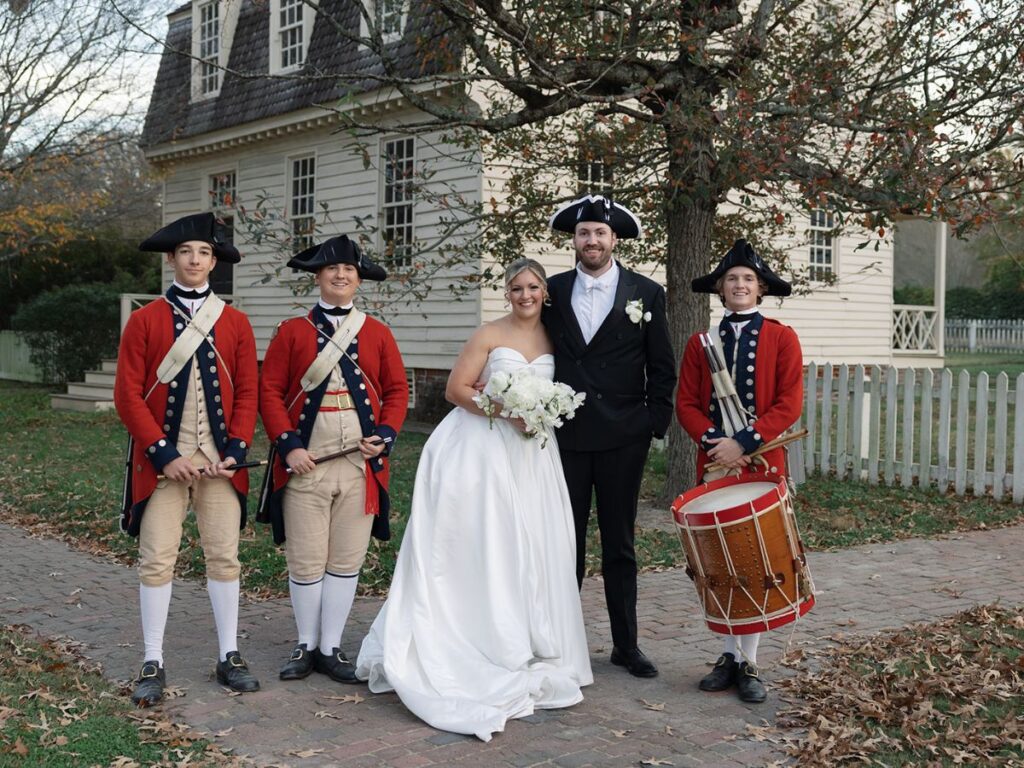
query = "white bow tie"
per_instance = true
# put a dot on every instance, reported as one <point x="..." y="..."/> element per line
<point x="593" y="284"/>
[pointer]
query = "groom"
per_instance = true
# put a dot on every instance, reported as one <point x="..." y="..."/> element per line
<point x="611" y="341"/>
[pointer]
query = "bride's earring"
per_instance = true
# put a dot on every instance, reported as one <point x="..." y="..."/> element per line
<point x="547" y="299"/>
<point x="508" y="304"/>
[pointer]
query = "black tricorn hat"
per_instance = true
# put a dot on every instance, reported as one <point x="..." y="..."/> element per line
<point x="623" y="222"/>
<point x="742" y="254"/>
<point x="337" y="250"/>
<point x="197" y="226"/>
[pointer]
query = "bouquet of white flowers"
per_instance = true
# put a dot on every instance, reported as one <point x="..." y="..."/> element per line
<point x="539" y="402"/>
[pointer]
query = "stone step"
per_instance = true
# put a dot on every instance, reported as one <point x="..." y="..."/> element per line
<point x="83" y="403"/>
<point x="97" y="391"/>
<point x="109" y="366"/>
<point x="101" y="378"/>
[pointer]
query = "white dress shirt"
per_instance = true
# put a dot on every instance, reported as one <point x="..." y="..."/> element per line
<point x="192" y="305"/>
<point x="592" y="299"/>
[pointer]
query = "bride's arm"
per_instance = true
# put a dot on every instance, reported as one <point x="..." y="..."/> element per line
<point x="467" y="370"/>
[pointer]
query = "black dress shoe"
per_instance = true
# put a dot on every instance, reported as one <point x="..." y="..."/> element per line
<point x="149" y="686"/>
<point x="299" y="666"/>
<point x="749" y="685"/>
<point x="234" y="673"/>
<point x="635" y="662"/>
<point x="723" y="676"/>
<point x="336" y="666"/>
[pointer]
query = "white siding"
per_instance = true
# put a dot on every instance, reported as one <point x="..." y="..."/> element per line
<point x="850" y="322"/>
<point x="430" y="334"/>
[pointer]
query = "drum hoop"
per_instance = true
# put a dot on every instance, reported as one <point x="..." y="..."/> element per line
<point x="724" y="519"/>
<point x="737" y="512"/>
<point x="726" y="626"/>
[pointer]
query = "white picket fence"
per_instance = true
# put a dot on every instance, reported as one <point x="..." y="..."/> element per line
<point x="984" y="335"/>
<point x="914" y="425"/>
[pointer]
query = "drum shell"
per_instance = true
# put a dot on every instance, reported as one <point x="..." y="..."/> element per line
<point x="747" y="560"/>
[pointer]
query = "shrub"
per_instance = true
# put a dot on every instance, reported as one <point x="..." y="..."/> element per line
<point x="913" y="294"/>
<point x="103" y="258"/>
<point x="981" y="304"/>
<point x="70" y="329"/>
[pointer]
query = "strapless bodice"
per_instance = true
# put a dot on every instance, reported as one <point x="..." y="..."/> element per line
<point x="508" y="360"/>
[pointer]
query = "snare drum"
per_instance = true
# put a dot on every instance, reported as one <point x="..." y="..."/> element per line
<point x="744" y="553"/>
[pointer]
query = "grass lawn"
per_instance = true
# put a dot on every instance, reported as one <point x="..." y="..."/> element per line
<point x="61" y="475"/>
<point x="992" y="363"/>
<point x="57" y="710"/>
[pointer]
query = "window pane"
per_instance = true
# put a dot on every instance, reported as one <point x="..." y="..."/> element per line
<point x="303" y="201"/>
<point x="398" y="173"/>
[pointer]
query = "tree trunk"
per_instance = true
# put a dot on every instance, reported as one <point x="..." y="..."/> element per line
<point x="689" y="221"/>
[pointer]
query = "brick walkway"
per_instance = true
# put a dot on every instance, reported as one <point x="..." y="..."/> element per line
<point x="62" y="592"/>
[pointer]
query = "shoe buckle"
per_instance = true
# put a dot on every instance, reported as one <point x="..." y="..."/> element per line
<point x="751" y="671"/>
<point x="297" y="654"/>
<point x="236" y="661"/>
<point x="149" y="670"/>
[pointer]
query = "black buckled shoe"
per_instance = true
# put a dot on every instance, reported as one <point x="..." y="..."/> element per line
<point x="723" y="676"/>
<point x="749" y="685"/>
<point x="635" y="662"/>
<point x="149" y="686"/>
<point x="234" y="673"/>
<point x="299" y="666"/>
<point x="336" y="666"/>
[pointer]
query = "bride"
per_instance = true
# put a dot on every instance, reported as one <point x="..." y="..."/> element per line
<point x="483" y="620"/>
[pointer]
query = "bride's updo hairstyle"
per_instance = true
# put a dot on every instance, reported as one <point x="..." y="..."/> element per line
<point x="517" y="267"/>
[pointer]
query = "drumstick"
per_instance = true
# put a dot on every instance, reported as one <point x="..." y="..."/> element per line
<point x="778" y="442"/>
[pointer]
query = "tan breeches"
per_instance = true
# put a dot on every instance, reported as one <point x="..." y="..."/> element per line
<point x="218" y="514"/>
<point x="325" y="521"/>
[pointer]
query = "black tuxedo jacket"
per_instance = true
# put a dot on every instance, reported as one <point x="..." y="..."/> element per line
<point x="628" y="370"/>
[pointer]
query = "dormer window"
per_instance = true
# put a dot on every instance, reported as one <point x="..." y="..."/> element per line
<point x="389" y="16"/>
<point x="291" y="25"/>
<point x="209" y="48"/>
<point x="213" y="27"/>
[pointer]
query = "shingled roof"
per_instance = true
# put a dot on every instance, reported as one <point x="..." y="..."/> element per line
<point x="249" y="93"/>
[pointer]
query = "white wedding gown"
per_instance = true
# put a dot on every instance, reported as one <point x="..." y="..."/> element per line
<point x="483" y="620"/>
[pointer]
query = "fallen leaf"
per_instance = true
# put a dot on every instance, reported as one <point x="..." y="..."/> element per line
<point x="655" y="706"/>
<point x="305" y="752"/>
<point x="352" y="698"/>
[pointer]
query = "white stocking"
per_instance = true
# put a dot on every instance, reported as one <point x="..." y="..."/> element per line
<point x="730" y="646"/>
<point x="339" y="592"/>
<point x="748" y="648"/>
<point x="306" y="597"/>
<point x="224" y="599"/>
<point x="154" y="603"/>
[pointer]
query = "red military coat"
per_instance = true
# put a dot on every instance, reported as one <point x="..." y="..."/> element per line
<point x="776" y="383"/>
<point x="374" y="372"/>
<point x="230" y="384"/>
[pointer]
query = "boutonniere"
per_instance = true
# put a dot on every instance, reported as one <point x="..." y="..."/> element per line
<point x="635" y="312"/>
